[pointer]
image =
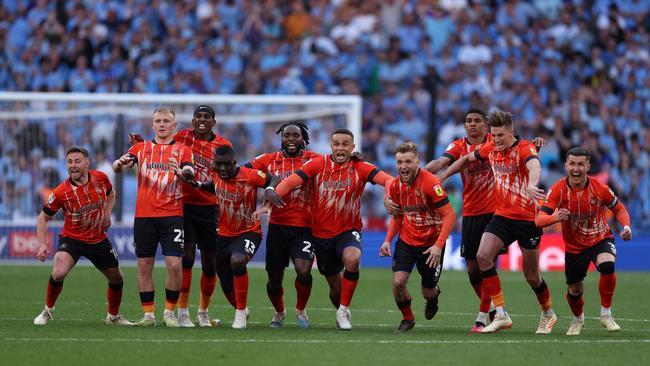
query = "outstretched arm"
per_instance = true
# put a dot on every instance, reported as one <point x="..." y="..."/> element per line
<point x="434" y="165"/>
<point x="457" y="166"/>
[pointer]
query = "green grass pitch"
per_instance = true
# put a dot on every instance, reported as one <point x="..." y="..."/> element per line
<point x="77" y="335"/>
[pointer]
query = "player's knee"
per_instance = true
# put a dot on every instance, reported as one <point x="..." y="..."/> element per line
<point x="484" y="260"/>
<point x="351" y="261"/>
<point x="238" y="261"/>
<point x="399" y="285"/>
<point x="209" y="271"/>
<point x="303" y="272"/>
<point x="575" y="289"/>
<point x="305" y="279"/>
<point x="606" y="268"/>
<point x="59" y="275"/>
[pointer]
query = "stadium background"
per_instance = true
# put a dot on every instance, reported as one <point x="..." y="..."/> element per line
<point x="573" y="72"/>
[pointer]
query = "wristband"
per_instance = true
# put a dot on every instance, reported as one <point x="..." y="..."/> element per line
<point x="270" y="187"/>
<point x="627" y="227"/>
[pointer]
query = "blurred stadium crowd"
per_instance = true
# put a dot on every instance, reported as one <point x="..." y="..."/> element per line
<point x="575" y="72"/>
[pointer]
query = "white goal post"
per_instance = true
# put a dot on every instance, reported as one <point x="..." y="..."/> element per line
<point x="130" y="104"/>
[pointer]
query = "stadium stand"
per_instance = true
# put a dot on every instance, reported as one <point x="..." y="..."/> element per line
<point x="575" y="72"/>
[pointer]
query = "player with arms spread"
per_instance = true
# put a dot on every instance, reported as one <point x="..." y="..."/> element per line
<point x="87" y="199"/>
<point x="239" y="235"/>
<point x="578" y="202"/>
<point x="423" y="231"/>
<point x="517" y="171"/>
<point x="158" y="211"/>
<point x="289" y="233"/>
<point x="338" y="182"/>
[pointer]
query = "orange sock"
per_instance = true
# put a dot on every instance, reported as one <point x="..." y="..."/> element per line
<point x="492" y="285"/>
<point x="186" y="284"/>
<point x="208" y="283"/>
<point x="348" y="285"/>
<point x="54" y="288"/>
<point x="146" y="299"/>
<point x="171" y="299"/>
<point x="543" y="295"/>
<point x="114" y="297"/>
<point x="576" y="303"/>
<point x="241" y="290"/>
<point x="303" y="291"/>
<point x="606" y="288"/>
<point x="405" y="308"/>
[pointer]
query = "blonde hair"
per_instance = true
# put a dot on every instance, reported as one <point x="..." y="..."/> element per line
<point x="165" y="110"/>
<point x="500" y="119"/>
<point x="407" y="146"/>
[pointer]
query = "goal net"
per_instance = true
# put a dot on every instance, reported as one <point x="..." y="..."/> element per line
<point x="37" y="128"/>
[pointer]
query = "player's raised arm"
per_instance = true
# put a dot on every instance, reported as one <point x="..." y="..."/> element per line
<point x="457" y="166"/>
<point x="41" y="236"/>
<point x="434" y="165"/>
<point x="125" y="160"/>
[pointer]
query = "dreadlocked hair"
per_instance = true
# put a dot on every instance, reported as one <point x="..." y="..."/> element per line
<point x="304" y="130"/>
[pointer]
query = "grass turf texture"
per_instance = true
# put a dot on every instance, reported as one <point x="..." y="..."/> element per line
<point x="77" y="335"/>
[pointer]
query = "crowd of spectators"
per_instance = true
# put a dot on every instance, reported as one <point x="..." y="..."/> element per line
<point x="575" y="72"/>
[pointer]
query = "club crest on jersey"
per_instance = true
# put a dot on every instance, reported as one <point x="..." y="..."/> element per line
<point x="175" y="153"/>
<point x="593" y="201"/>
<point x="438" y="189"/>
<point x="50" y="198"/>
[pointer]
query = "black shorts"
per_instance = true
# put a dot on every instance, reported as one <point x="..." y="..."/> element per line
<point x="247" y="243"/>
<point x="329" y="252"/>
<point x="287" y="242"/>
<point x="200" y="225"/>
<point x="576" y="265"/>
<point x="149" y="231"/>
<point x="508" y="230"/>
<point x="406" y="256"/>
<point x="472" y="231"/>
<point x="102" y="255"/>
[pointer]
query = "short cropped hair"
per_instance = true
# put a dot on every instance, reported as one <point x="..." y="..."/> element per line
<point x="500" y="119"/>
<point x="343" y="131"/>
<point x="77" y="149"/>
<point x="165" y="110"/>
<point x="478" y="111"/>
<point x="406" y="147"/>
<point x="224" y="150"/>
<point x="578" y="151"/>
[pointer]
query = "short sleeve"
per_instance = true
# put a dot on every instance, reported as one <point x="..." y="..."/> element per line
<point x="366" y="170"/>
<point x="453" y="152"/>
<point x="434" y="190"/>
<point x="258" y="178"/>
<point x="311" y="168"/>
<point x="552" y="200"/>
<point x="527" y="152"/>
<point x="607" y="195"/>
<point x="260" y="162"/>
<point x="54" y="202"/>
